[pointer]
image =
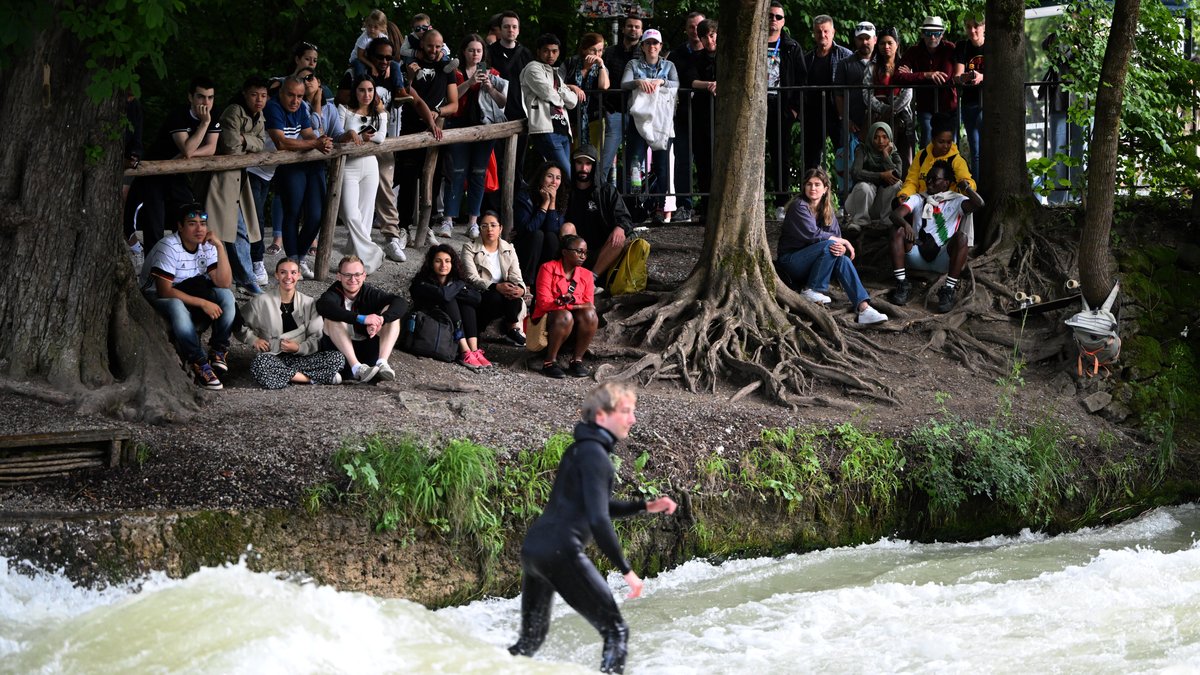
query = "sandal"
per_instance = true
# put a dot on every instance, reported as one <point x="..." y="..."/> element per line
<point x="274" y="249"/>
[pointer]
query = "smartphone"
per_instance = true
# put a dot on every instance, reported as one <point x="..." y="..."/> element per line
<point x="367" y="130"/>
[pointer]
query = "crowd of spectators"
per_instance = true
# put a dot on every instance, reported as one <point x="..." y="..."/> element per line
<point x="605" y="121"/>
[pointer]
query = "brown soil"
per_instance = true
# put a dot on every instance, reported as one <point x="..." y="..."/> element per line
<point x="255" y="448"/>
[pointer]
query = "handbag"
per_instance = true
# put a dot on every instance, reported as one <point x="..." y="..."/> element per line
<point x="429" y="334"/>
<point x="491" y="180"/>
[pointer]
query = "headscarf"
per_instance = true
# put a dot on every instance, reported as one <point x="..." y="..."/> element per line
<point x="880" y="125"/>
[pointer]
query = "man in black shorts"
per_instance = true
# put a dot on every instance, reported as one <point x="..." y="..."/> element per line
<point x="581" y="508"/>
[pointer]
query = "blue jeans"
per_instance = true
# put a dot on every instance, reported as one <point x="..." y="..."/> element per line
<point x="614" y="125"/>
<point x="660" y="163"/>
<point x="187" y="323"/>
<point x="814" y="265"/>
<point x="972" y="118"/>
<point x="554" y="148"/>
<point x="925" y="129"/>
<point x="302" y="190"/>
<point x="259" y="188"/>
<point x="464" y="157"/>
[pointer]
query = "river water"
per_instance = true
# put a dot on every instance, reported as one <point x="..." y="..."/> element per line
<point x="1114" y="600"/>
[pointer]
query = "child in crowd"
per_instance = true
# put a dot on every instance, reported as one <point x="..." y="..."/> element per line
<point x="375" y="26"/>
<point x="411" y="47"/>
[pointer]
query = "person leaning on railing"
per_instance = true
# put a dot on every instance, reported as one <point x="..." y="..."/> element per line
<point x="587" y="71"/>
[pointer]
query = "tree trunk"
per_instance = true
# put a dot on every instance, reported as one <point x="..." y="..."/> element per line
<point x="1004" y="179"/>
<point x="1095" y="258"/>
<point x="730" y="317"/>
<point x="71" y="313"/>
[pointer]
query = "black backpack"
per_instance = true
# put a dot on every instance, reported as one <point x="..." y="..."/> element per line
<point x="429" y="334"/>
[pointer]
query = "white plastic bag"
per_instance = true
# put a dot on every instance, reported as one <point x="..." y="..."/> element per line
<point x="653" y="116"/>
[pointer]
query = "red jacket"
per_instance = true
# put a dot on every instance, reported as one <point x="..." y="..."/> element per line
<point x="918" y="58"/>
<point x="552" y="283"/>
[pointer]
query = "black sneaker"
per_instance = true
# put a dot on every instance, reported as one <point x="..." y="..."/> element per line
<point x="514" y="337"/>
<point x="901" y="293"/>
<point x="205" y="377"/>
<point x="553" y="370"/>
<point x="577" y="369"/>
<point x="217" y="360"/>
<point x="946" y="299"/>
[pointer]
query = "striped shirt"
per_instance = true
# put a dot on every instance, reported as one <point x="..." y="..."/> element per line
<point x="171" y="261"/>
<point x="291" y="124"/>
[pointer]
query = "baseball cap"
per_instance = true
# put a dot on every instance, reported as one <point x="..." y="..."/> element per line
<point x="652" y="34"/>
<point x="586" y="150"/>
<point x="864" y="28"/>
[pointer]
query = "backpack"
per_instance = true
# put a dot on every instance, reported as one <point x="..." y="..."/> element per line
<point x="1095" y="332"/>
<point x="429" y="334"/>
<point x="629" y="273"/>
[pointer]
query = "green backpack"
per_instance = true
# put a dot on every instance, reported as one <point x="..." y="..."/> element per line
<point x="629" y="273"/>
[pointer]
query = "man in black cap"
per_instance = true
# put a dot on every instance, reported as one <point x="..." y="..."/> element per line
<point x="596" y="212"/>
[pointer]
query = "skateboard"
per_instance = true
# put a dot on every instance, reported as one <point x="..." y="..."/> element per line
<point x="1034" y="304"/>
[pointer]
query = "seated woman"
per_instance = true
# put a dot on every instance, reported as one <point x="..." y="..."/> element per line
<point x="812" y="250"/>
<point x="565" y="296"/>
<point x="284" y="328"/>
<point x="538" y="218"/>
<point x="439" y="285"/>
<point x="877" y="172"/>
<point x="490" y="265"/>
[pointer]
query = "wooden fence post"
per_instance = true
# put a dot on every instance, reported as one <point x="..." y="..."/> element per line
<point x="508" y="171"/>
<point x="333" y="201"/>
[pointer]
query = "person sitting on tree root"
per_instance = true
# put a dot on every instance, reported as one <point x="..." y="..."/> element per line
<point x="941" y="244"/>
<point x="187" y="278"/>
<point x="285" y="329"/>
<point x="361" y="321"/>
<point x="580" y="509"/>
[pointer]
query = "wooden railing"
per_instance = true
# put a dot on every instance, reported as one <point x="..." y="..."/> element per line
<point x="337" y="159"/>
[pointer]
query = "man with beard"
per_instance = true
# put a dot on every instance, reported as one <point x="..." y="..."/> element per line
<point x="596" y="212"/>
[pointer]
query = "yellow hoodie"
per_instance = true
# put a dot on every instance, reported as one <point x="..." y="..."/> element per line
<point x="914" y="182"/>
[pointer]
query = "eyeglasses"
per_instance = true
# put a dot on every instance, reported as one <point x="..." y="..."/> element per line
<point x="309" y="78"/>
<point x="932" y="33"/>
<point x="776" y="17"/>
<point x="352" y="275"/>
<point x="581" y="252"/>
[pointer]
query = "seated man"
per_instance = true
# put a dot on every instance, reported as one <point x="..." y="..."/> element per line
<point x="284" y="328"/>
<point x="361" y="321"/>
<point x="187" y="278"/>
<point x="941" y="244"/>
<point x="596" y="212"/>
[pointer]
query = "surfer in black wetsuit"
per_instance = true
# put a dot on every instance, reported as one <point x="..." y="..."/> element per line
<point x="581" y="508"/>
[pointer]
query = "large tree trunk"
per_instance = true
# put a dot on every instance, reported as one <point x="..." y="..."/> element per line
<point x="1004" y="182"/>
<point x="73" y="326"/>
<point x="1095" y="258"/>
<point x="730" y="317"/>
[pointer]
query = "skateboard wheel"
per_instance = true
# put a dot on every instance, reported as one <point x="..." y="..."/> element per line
<point x="1036" y="299"/>
<point x="1072" y="284"/>
<point x="1021" y="296"/>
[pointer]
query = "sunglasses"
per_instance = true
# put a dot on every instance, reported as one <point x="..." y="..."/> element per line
<point x="932" y="33"/>
<point x="422" y="28"/>
<point x="309" y="78"/>
<point x="382" y="57"/>
<point x="196" y="214"/>
<point x="776" y="17"/>
<point x="308" y="45"/>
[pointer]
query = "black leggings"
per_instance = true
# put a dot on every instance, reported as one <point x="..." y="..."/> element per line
<point x="581" y="586"/>
<point x="461" y="314"/>
<point x="533" y="250"/>
<point x="493" y="306"/>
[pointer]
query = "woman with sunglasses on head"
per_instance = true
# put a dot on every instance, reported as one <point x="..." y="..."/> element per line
<point x="566" y="297"/>
<point x="326" y="120"/>
<point x="490" y="265"/>
<point x="439" y="285"/>
<point x="364" y="121"/>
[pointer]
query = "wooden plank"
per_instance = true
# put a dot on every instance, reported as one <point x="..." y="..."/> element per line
<point x="27" y="457"/>
<point x="62" y="438"/>
<point x="52" y="466"/>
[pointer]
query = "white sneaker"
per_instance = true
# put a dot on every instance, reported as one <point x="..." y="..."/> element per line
<point x="306" y="271"/>
<point x="336" y="379"/>
<point x="385" y="371"/>
<point x="431" y="238"/>
<point x="365" y="373"/>
<point x="260" y="273"/>
<point x="813" y="296"/>
<point x="447" y="228"/>
<point x="391" y="248"/>
<point x="473" y="231"/>
<point x="871" y="315"/>
<point x="780" y="213"/>
<point x="138" y="258"/>
<point x="402" y="240"/>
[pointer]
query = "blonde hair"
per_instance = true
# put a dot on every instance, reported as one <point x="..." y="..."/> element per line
<point x="606" y="398"/>
<point x="349" y="259"/>
<point x="376" y="20"/>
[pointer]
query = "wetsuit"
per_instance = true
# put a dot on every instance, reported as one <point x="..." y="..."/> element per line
<point x="581" y="508"/>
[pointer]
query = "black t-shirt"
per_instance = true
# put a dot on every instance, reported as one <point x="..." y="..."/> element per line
<point x="509" y="62"/>
<point x="180" y="119"/>
<point x="584" y="212"/>
<point x="430" y="83"/>
<point x="615" y="58"/>
<point x="971" y="57"/>
<point x="701" y="66"/>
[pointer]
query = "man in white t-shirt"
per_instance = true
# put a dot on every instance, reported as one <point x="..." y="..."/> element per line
<point x="933" y="240"/>
<point x="187" y="279"/>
